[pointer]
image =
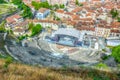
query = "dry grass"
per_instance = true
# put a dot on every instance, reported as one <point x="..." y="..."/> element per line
<point x="5" y="8"/>
<point x="25" y="72"/>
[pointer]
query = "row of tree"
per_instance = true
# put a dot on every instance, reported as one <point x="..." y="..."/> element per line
<point x="38" y="5"/>
<point x="26" y="11"/>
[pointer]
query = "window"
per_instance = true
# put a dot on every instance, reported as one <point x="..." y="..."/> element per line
<point x="117" y="35"/>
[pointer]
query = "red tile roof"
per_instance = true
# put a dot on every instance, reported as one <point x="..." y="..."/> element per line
<point x="12" y="18"/>
<point x="60" y="11"/>
<point x="86" y="28"/>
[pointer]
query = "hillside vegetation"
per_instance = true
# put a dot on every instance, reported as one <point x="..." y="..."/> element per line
<point x="17" y="71"/>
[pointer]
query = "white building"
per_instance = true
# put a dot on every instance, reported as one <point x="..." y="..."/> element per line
<point x="47" y="23"/>
<point x="42" y="13"/>
<point x="113" y="42"/>
<point x="102" y="32"/>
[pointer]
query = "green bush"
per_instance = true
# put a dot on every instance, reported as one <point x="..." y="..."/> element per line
<point x="57" y="18"/>
<point x="100" y="78"/>
<point x="1" y="56"/>
<point x="105" y="57"/>
<point x="62" y="6"/>
<point x="118" y="66"/>
<point x="98" y="75"/>
<point x="2" y="27"/>
<point x="111" y="47"/>
<point x="10" y="31"/>
<point x="56" y="6"/>
<point x="101" y="65"/>
<point x="116" y="53"/>
<point x="118" y="19"/>
<point x="21" y="37"/>
<point x="8" y="61"/>
<point x="80" y="4"/>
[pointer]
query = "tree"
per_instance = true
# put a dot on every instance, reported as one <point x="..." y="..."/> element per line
<point x="56" y="6"/>
<point x="2" y="1"/>
<point x="2" y="27"/>
<point x="17" y="2"/>
<point x="62" y="6"/>
<point x="27" y="13"/>
<point x="36" y="29"/>
<point x="57" y="18"/>
<point x="30" y="26"/>
<point x="118" y="19"/>
<point x="114" y="13"/>
<point x="80" y="4"/>
<point x="52" y="12"/>
<point x="39" y="5"/>
<point x="36" y="5"/>
<point x="116" y="53"/>
<point x="77" y="2"/>
<point x="45" y="5"/>
<point x="20" y="6"/>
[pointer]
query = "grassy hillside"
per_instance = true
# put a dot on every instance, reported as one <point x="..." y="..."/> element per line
<point x="6" y="8"/>
<point x="17" y="71"/>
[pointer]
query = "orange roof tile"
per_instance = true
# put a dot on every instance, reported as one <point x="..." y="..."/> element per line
<point x="60" y="11"/>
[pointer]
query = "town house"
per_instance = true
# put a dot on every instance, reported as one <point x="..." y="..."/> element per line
<point x="13" y="20"/>
<point x="42" y="13"/>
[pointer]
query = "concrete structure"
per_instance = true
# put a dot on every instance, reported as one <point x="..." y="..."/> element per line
<point x="66" y="36"/>
<point x="75" y="38"/>
<point x="42" y="13"/>
<point x="113" y="42"/>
